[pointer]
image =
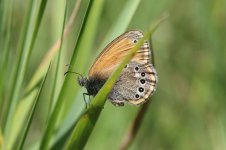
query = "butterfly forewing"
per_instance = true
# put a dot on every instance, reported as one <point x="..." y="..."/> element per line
<point x="114" y="53"/>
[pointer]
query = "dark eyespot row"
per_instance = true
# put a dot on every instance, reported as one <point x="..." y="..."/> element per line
<point x="141" y="89"/>
<point x="134" y="41"/>
<point x="142" y="81"/>
<point x="136" y="68"/>
<point x="137" y="95"/>
<point x="143" y="74"/>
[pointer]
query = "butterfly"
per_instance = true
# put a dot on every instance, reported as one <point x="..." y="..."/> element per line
<point x="138" y="79"/>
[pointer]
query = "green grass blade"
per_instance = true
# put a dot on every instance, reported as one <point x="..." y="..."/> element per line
<point x="83" y="46"/>
<point x="26" y="102"/>
<point x="87" y="121"/>
<point x="121" y="24"/>
<point x="23" y="63"/>
<point x="53" y="92"/>
<point x="14" y="93"/>
<point x="1" y="138"/>
<point x="39" y="73"/>
<point x="5" y="44"/>
<point x="5" y="37"/>
<point x="20" y="116"/>
<point x="31" y="115"/>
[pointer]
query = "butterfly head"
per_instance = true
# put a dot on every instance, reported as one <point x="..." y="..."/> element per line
<point x="82" y="81"/>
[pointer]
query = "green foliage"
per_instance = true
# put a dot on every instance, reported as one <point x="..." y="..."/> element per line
<point x="38" y="112"/>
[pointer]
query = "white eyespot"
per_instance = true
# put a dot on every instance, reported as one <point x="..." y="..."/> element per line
<point x="142" y="81"/>
<point x="142" y="74"/>
<point x="136" y="69"/>
<point x="141" y="89"/>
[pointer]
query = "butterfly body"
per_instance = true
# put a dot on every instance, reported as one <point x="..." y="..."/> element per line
<point x="137" y="81"/>
<point x="92" y="84"/>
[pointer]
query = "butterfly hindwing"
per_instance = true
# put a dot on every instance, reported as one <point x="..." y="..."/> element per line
<point x="136" y="83"/>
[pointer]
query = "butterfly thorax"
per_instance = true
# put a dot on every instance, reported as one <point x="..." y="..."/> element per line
<point x="92" y="84"/>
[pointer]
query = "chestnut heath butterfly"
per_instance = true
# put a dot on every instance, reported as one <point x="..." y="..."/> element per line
<point x="137" y="81"/>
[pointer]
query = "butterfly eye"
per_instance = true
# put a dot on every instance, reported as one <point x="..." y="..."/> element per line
<point x="136" y="68"/>
<point x="142" y="81"/>
<point x="141" y="89"/>
<point x="137" y="96"/>
<point x="142" y="74"/>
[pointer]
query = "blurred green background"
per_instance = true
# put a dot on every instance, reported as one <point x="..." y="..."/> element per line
<point x="188" y="109"/>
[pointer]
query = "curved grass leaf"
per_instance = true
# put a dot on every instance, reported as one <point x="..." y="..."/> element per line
<point x="83" y="46"/>
<point x="120" y="26"/>
<point x="31" y="115"/>
<point x="39" y="73"/>
<point x="20" y="117"/>
<point x="23" y="62"/>
<point x="5" y="44"/>
<point x="87" y="121"/>
<point x="32" y="89"/>
<point x="14" y="92"/>
<point x="53" y="92"/>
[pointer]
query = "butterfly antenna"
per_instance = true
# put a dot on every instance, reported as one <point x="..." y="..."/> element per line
<point x="74" y="73"/>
